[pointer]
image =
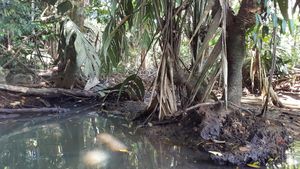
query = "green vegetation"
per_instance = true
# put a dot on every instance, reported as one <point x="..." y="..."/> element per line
<point x="189" y="43"/>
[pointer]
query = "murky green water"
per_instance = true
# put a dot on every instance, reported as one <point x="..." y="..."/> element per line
<point x="53" y="143"/>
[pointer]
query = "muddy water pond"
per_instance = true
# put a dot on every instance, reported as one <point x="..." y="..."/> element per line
<point x="62" y="143"/>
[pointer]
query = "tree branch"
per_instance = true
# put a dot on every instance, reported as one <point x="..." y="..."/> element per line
<point x="47" y="92"/>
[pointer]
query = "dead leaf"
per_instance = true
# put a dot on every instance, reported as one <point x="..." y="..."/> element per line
<point x="15" y="103"/>
<point x="244" y="149"/>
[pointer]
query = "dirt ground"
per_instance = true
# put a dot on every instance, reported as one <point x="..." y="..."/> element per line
<point x="289" y="115"/>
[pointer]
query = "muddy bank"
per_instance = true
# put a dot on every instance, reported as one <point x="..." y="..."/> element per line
<point x="230" y="137"/>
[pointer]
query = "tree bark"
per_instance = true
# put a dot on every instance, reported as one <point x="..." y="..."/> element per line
<point x="235" y="57"/>
<point x="236" y="31"/>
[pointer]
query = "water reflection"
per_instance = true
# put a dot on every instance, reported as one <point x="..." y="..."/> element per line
<point x="71" y="143"/>
<point x="293" y="158"/>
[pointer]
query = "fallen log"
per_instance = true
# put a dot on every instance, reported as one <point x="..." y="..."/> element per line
<point x="33" y="110"/>
<point x="47" y="92"/>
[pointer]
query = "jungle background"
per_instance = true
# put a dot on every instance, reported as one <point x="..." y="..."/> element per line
<point x="174" y="56"/>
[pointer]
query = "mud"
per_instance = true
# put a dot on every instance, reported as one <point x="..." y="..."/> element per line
<point x="231" y="137"/>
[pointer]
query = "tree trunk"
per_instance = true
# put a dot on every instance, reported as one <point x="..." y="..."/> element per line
<point x="235" y="57"/>
<point x="237" y="26"/>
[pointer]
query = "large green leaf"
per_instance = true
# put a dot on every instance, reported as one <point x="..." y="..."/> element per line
<point x="132" y="85"/>
<point x="113" y="47"/>
<point x="86" y="56"/>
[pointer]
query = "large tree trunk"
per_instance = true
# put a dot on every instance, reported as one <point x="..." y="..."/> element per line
<point x="237" y="26"/>
<point x="235" y="57"/>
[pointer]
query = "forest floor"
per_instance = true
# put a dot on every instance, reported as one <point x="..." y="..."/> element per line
<point x="289" y="115"/>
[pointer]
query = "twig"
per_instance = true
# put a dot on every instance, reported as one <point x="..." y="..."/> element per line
<point x="216" y="103"/>
<point x="237" y="106"/>
<point x="202" y="104"/>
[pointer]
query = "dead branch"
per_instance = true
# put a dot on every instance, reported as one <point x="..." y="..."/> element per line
<point x="202" y="104"/>
<point x="47" y="92"/>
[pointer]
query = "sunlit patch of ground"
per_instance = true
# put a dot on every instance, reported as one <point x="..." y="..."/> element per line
<point x="291" y="101"/>
<point x="289" y="115"/>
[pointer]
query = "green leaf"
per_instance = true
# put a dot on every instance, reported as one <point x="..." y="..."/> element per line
<point x="139" y="82"/>
<point x="265" y="31"/>
<point x="254" y="35"/>
<point x="283" y="26"/>
<point x="146" y="40"/>
<point x="107" y="39"/>
<point x="86" y="56"/>
<point x="284" y="6"/>
<point x="128" y="9"/>
<point x="133" y="85"/>
<point x="254" y="164"/>
<point x="291" y="26"/>
<point x="258" y="19"/>
<point x="64" y="7"/>
<point x="113" y="8"/>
